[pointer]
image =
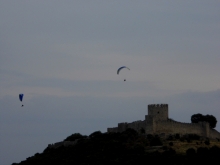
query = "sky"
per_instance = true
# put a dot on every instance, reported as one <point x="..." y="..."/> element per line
<point x="64" y="55"/>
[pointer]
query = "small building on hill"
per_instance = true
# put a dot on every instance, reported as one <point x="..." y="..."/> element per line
<point x="158" y="122"/>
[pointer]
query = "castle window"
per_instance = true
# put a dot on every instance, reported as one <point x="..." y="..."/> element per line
<point x="158" y="112"/>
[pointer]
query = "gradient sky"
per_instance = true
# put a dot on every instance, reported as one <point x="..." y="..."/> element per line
<point x="64" y="55"/>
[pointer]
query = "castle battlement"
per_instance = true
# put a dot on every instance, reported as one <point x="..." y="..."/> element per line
<point x="158" y="105"/>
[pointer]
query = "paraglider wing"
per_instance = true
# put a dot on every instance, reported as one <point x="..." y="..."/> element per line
<point x="21" y="97"/>
<point x="119" y="69"/>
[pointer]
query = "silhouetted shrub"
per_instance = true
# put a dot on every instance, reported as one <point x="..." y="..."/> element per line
<point x="149" y="136"/>
<point x="156" y="141"/>
<point x="74" y="136"/>
<point x="94" y="134"/>
<point x="202" y="151"/>
<point x="182" y="139"/>
<point x="207" y="142"/>
<point x="177" y="136"/>
<point x="138" y="149"/>
<point x="172" y="151"/>
<point x="190" y="152"/>
<point x="142" y="131"/>
<point x="37" y="154"/>
<point x="188" y="140"/>
<point x="214" y="151"/>
<point x="169" y="152"/>
<point x="193" y="136"/>
<point x="196" y="118"/>
<point x="165" y="147"/>
<point x="171" y="143"/>
<point x="170" y="137"/>
<point x="130" y="132"/>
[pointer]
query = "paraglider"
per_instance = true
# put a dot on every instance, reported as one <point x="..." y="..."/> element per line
<point x="21" y="98"/>
<point x="119" y="69"/>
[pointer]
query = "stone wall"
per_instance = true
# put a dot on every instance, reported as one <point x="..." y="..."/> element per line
<point x="214" y="134"/>
<point x="114" y="129"/>
<point x="172" y="127"/>
<point x="136" y="125"/>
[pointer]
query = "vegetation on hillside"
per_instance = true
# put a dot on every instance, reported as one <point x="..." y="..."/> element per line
<point x="129" y="148"/>
<point x="204" y="118"/>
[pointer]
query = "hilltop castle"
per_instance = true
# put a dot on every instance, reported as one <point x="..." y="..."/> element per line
<point x="157" y="122"/>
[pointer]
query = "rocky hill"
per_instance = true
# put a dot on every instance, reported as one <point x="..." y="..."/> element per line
<point x="127" y="148"/>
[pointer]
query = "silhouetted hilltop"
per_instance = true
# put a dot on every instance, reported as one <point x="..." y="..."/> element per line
<point x="127" y="148"/>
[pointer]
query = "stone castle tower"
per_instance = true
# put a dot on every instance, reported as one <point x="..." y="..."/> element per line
<point x="158" y="111"/>
<point x="157" y="122"/>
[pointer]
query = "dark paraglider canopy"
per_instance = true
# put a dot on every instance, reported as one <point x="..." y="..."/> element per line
<point x="21" y="98"/>
<point x="119" y="69"/>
